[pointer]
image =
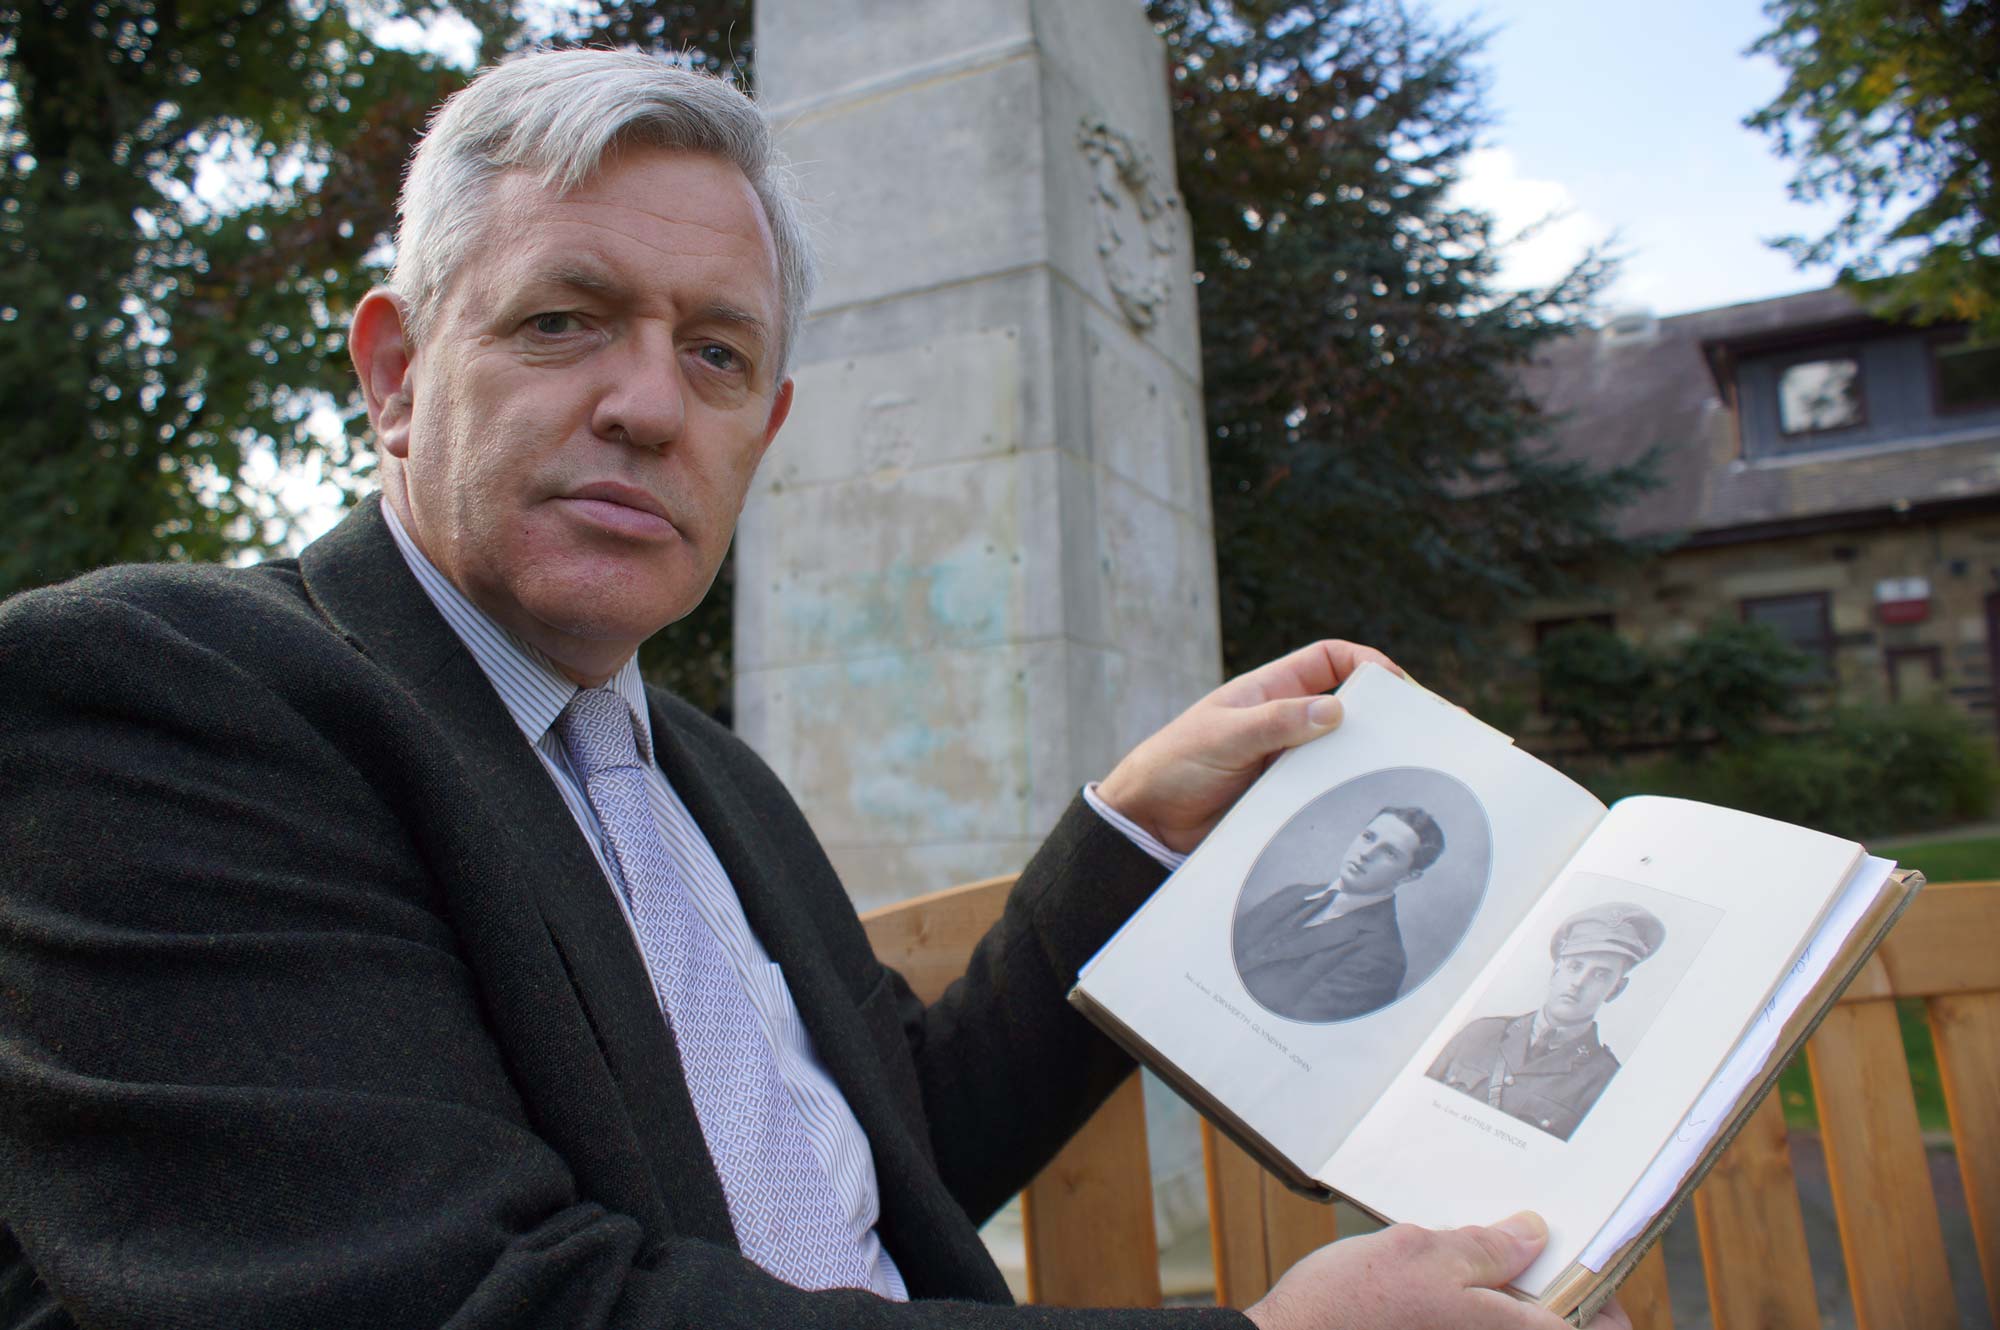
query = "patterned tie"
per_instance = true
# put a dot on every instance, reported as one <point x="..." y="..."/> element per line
<point x="784" y="1209"/>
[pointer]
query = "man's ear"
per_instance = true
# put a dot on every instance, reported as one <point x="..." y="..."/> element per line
<point x="1620" y="989"/>
<point x="378" y="342"/>
<point x="781" y="407"/>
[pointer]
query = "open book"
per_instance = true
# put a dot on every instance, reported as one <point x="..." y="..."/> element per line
<point x="1420" y="969"/>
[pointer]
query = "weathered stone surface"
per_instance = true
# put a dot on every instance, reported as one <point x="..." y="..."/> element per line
<point x="916" y="187"/>
<point x="828" y="47"/>
<point x="977" y="566"/>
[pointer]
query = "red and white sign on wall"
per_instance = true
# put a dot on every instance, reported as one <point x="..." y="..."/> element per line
<point x="1903" y="599"/>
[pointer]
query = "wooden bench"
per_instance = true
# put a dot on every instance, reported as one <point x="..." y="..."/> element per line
<point x="1088" y="1217"/>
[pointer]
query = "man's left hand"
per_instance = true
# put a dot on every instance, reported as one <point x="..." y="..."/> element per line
<point x="1179" y="783"/>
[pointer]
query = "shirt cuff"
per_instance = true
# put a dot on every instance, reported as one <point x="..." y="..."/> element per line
<point x="1132" y="831"/>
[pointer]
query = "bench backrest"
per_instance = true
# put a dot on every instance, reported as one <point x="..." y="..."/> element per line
<point x="1088" y="1217"/>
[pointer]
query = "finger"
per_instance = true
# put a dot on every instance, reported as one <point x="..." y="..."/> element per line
<point x="1492" y="1257"/>
<point x="1505" y="1311"/>
<point x="1310" y="669"/>
<point x="1248" y="735"/>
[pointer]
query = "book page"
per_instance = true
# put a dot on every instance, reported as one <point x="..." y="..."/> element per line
<point x="1317" y="935"/>
<point x="1553" y="1084"/>
<point x="1745" y="1063"/>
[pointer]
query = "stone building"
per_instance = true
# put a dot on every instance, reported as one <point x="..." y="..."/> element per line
<point x="1824" y="472"/>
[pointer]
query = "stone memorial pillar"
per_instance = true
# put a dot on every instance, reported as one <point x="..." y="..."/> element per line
<point x="977" y="566"/>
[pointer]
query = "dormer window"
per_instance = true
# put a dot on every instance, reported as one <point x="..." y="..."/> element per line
<point x="1966" y="375"/>
<point x="1816" y="396"/>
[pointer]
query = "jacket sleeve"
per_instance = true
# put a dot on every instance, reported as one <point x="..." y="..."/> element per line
<point x="1005" y="1034"/>
<point x="246" y="1074"/>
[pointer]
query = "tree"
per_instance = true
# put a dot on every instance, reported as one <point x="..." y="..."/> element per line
<point x="143" y="314"/>
<point x="1377" y="470"/>
<point x="1892" y="107"/>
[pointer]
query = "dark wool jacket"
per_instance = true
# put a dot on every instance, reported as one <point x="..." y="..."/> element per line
<point x="315" y="1010"/>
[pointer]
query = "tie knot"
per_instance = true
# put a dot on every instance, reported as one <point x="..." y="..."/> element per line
<point x="596" y="732"/>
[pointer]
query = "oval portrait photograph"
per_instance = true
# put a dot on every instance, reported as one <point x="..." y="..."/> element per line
<point x="1362" y="894"/>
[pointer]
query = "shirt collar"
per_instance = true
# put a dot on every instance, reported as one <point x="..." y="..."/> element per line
<point x="532" y="688"/>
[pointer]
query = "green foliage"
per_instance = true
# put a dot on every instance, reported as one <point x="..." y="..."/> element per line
<point x="141" y="317"/>
<point x="1893" y="108"/>
<point x="1728" y="685"/>
<point x="1598" y="684"/>
<point x="154" y="335"/>
<point x="1873" y="770"/>
<point x="1971" y="859"/>
<point x="1375" y="465"/>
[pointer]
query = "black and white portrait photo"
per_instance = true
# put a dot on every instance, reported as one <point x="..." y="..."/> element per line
<point x="1361" y="895"/>
<point x="1562" y="1018"/>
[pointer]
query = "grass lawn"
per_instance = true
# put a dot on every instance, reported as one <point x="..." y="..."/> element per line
<point x="1972" y="859"/>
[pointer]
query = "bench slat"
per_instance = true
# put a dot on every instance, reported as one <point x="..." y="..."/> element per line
<point x="1966" y="1032"/>
<point x="1944" y="943"/>
<point x="928" y="940"/>
<point x="1753" y="1233"/>
<point x="1294" y="1226"/>
<point x="1236" y="1236"/>
<point x="1087" y="1219"/>
<point x="1643" y="1295"/>
<point x="1882" y="1197"/>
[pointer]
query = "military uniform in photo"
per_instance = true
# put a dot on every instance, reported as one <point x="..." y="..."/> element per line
<point x="1546" y="1074"/>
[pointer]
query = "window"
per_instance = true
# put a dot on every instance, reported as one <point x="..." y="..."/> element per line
<point x="1819" y="395"/>
<point x="1804" y="621"/>
<point x="1966" y="375"/>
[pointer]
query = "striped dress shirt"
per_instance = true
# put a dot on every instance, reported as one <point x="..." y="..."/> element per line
<point x="535" y="693"/>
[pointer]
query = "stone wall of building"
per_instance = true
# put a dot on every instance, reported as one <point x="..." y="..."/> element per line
<point x="1674" y="597"/>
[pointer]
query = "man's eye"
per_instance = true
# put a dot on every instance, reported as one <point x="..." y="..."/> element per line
<point x="716" y="356"/>
<point x="552" y="325"/>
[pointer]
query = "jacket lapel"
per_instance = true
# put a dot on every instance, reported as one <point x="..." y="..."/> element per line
<point x="574" y="1007"/>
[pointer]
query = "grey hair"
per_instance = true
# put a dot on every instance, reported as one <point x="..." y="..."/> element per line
<point x="557" y="115"/>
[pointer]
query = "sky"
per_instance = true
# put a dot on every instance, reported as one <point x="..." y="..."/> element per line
<point x="1626" y="119"/>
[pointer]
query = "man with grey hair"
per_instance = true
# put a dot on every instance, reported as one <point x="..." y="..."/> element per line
<point x="376" y="950"/>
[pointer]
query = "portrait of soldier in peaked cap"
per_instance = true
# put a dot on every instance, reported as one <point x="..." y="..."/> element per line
<point x="1547" y="1067"/>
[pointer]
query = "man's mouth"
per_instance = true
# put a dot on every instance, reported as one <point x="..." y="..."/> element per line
<point x="625" y="509"/>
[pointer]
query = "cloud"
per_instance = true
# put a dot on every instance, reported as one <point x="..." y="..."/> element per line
<point x="1543" y="229"/>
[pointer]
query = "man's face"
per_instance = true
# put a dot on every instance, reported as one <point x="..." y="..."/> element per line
<point x="1584" y="981"/>
<point x="1379" y="858"/>
<point x="595" y="395"/>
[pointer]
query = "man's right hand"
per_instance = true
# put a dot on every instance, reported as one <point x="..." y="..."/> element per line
<point x="1410" y="1278"/>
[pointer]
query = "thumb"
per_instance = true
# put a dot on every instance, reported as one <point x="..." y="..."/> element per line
<point x="1495" y="1256"/>
<point x="1273" y="727"/>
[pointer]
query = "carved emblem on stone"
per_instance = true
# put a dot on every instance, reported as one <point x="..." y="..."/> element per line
<point x="1138" y="222"/>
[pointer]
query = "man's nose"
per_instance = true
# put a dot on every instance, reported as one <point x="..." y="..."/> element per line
<point x="644" y="403"/>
